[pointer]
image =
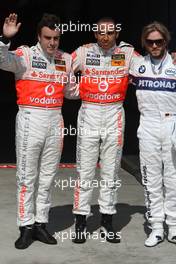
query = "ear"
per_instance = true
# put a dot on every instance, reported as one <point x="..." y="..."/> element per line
<point x="95" y="35"/>
<point x="117" y="35"/>
<point x="38" y="37"/>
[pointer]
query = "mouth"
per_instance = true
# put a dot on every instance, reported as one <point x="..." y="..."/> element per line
<point x="105" y="44"/>
<point x="51" y="49"/>
<point x="156" y="50"/>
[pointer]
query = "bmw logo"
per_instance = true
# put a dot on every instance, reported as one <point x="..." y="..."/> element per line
<point x="142" y="69"/>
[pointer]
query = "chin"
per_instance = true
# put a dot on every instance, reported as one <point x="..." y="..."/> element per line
<point x="105" y="47"/>
<point x="156" y="55"/>
<point x="51" y="53"/>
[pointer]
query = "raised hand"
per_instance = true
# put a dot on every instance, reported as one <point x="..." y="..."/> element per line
<point x="11" y="27"/>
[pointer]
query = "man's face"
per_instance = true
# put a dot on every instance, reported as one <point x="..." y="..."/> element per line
<point x="155" y="45"/>
<point x="49" y="40"/>
<point x="106" y="35"/>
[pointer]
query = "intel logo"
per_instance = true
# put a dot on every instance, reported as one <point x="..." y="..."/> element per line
<point x="170" y="71"/>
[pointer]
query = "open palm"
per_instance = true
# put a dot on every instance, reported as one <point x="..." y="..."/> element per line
<point x="11" y="27"/>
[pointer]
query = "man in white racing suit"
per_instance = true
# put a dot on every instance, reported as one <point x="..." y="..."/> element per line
<point x="42" y="73"/>
<point x="155" y="79"/>
<point x="104" y="70"/>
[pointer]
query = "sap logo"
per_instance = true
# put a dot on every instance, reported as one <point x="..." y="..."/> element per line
<point x="170" y="71"/>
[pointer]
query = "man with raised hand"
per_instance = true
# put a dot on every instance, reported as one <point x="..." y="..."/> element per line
<point x="42" y="73"/>
<point x="154" y="76"/>
<point x="104" y="70"/>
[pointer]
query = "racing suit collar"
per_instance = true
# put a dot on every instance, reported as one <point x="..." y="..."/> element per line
<point x="106" y="52"/>
<point x="163" y="60"/>
<point x="45" y="55"/>
<point x="160" y="65"/>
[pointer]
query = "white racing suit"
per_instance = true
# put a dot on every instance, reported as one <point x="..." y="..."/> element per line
<point x="156" y="95"/>
<point x="40" y="85"/>
<point x="103" y="85"/>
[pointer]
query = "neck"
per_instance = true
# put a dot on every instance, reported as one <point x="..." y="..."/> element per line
<point x="46" y="55"/>
<point x="107" y="50"/>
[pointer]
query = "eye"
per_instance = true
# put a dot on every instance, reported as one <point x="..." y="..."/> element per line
<point x="48" y="38"/>
<point x="110" y="33"/>
<point x="56" y="38"/>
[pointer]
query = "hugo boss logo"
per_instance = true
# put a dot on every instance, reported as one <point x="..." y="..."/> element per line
<point x="92" y="61"/>
<point x="39" y="64"/>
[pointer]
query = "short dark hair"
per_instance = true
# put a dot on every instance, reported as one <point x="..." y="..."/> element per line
<point x="106" y="19"/>
<point x="48" y="20"/>
<point x="155" y="26"/>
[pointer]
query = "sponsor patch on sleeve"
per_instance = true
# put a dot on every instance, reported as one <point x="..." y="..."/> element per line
<point x="118" y="59"/>
<point x="60" y="68"/>
<point x="19" y="52"/>
<point x="60" y="62"/>
<point x="60" y="65"/>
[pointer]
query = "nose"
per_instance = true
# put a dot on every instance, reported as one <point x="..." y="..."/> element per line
<point x="106" y="36"/>
<point x="154" y="45"/>
<point x="52" y="41"/>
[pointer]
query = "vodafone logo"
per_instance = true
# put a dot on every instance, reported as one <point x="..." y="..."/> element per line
<point x="49" y="89"/>
<point x="103" y="86"/>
